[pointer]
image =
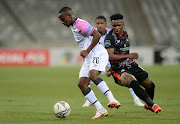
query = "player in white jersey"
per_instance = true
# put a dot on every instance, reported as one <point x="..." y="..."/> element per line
<point x="101" y="25"/>
<point x="95" y="60"/>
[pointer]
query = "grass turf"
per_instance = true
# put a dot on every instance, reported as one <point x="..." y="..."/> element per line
<point x="27" y="95"/>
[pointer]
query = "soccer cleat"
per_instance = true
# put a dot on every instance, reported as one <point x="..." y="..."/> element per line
<point x="114" y="104"/>
<point x="148" y="108"/>
<point x="87" y="104"/>
<point x="138" y="103"/>
<point x="156" y="108"/>
<point x="100" y="114"/>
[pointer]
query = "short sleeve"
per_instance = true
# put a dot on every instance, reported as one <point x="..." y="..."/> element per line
<point x="84" y="27"/>
<point x="109" y="41"/>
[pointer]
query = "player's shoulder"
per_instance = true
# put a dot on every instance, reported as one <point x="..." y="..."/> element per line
<point x="109" y="35"/>
<point x="108" y="30"/>
<point x="125" y="33"/>
<point x="79" y="22"/>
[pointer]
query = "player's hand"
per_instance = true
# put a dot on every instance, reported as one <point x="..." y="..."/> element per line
<point x="133" y="56"/>
<point x="108" y="73"/>
<point x="84" y="53"/>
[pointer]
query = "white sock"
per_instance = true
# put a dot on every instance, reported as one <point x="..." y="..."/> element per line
<point x="133" y="94"/>
<point x="104" y="89"/>
<point x="92" y="99"/>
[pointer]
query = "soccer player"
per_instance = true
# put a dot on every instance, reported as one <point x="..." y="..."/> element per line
<point x="125" y="71"/>
<point x="95" y="60"/>
<point x="101" y="26"/>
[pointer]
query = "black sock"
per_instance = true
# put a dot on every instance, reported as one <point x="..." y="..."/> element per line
<point x="86" y="91"/>
<point x="141" y="93"/>
<point x="150" y="91"/>
<point x="97" y="81"/>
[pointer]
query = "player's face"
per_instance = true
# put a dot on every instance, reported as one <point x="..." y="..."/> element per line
<point x="65" y="19"/>
<point x="101" y="25"/>
<point x="117" y="26"/>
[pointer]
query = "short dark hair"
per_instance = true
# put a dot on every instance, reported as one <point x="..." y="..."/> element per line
<point x="101" y="17"/>
<point x="116" y="16"/>
<point x="65" y="9"/>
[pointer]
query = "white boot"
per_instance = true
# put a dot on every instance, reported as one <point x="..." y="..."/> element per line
<point x="87" y="103"/>
<point x="137" y="102"/>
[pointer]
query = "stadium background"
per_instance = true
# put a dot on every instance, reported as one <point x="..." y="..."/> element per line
<point x="33" y="26"/>
<point x="31" y="36"/>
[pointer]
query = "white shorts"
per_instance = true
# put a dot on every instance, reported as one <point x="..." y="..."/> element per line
<point x="98" y="61"/>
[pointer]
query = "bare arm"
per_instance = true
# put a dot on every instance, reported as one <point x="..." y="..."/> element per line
<point x="116" y="57"/>
<point x="96" y="36"/>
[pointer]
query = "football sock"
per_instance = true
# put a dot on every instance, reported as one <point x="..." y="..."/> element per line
<point x="141" y="93"/>
<point x="133" y="94"/>
<point x="90" y="96"/>
<point x="150" y="91"/>
<point x="102" y="86"/>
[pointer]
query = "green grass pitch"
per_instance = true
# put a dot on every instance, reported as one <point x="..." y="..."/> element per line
<point x="27" y="95"/>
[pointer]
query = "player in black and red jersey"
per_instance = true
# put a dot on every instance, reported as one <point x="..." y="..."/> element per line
<point x="125" y="71"/>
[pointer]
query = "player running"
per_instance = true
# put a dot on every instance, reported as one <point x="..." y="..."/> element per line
<point x="95" y="60"/>
<point x="101" y="28"/>
<point x="125" y="71"/>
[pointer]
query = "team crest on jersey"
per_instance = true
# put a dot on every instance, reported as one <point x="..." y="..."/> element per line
<point x="107" y="43"/>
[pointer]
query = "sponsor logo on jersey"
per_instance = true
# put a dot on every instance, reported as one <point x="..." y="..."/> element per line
<point x="124" y="49"/>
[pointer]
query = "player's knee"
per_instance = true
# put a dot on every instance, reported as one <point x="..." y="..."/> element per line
<point x="147" y="83"/>
<point x="126" y="79"/>
<point x="93" y="75"/>
<point x="80" y="85"/>
<point x="134" y="83"/>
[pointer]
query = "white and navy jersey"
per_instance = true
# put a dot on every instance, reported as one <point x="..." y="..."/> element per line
<point x="82" y="30"/>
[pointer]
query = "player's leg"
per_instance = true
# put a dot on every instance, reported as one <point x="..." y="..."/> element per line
<point x="87" y="103"/>
<point x="130" y="81"/>
<point x="90" y="96"/>
<point x="98" y="66"/>
<point x="102" y="86"/>
<point x="149" y="86"/>
<point x="137" y="101"/>
<point x="88" y="93"/>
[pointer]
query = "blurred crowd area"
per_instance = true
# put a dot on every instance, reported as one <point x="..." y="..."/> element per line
<point x="35" y="23"/>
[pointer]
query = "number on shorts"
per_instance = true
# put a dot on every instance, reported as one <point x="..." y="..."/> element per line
<point x="96" y="60"/>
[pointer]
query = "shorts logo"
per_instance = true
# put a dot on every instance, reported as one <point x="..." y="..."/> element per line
<point x="96" y="60"/>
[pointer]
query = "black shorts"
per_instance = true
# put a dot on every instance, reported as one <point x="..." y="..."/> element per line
<point x="139" y="73"/>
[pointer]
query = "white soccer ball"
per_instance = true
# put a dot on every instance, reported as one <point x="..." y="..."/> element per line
<point x="61" y="109"/>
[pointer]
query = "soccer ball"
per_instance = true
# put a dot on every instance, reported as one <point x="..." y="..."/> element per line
<point x="61" y="109"/>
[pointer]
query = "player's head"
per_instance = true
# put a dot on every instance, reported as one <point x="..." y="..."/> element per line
<point x="66" y="16"/>
<point x="101" y="24"/>
<point x="117" y="23"/>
